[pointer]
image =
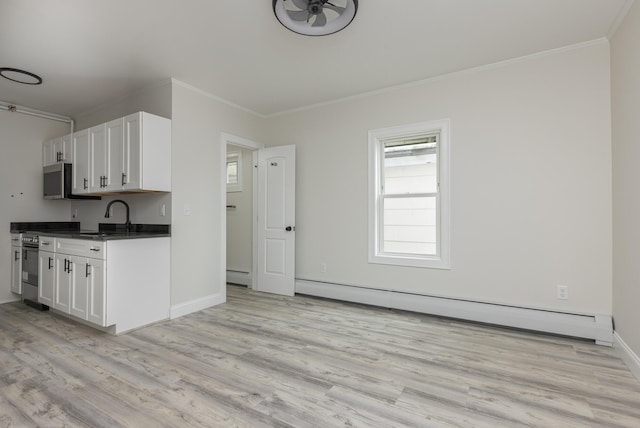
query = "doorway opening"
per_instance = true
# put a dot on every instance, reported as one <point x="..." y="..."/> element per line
<point x="241" y="198"/>
<point x="272" y="231"/>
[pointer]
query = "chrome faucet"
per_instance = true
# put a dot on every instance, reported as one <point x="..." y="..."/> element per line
<point x="127" y="224"/>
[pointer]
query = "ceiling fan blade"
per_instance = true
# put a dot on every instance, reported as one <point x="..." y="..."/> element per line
<point x="299" y="15"/>
<point x="301" y="4"/>
<point x="338" y="9"/>
<point x="321" y="20"/>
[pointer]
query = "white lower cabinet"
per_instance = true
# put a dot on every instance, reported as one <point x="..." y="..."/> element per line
<point x="16" y="269"/>
<point x="96" y="294"/>
<point x="105" y="282"/>
<point x="62" y="289"/>
<point x="46" y="277"/>
<point x="87" y="290"/>
<point x="16" y="263"/>
<point x="79" y="279"/>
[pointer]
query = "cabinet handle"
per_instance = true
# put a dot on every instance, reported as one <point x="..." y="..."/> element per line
<point x="94" y="249"/>
<point x="65" y="264"/>
<point x="50" y="262"/>
<point x="86" y="183"/>
<point x="17" y="255"/>
<point x="124" y="178"/>
<point x="45" y="243"/>
<point x="58" y="156"/>
<point x="15" y="239"/>
<point x="86" y="270"/>
<point x="69" y="268"/>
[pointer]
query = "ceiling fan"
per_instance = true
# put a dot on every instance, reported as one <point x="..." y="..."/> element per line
<point x="315" y="17"/>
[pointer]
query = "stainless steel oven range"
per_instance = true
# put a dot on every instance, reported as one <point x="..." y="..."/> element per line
<point x="30" y="244"/>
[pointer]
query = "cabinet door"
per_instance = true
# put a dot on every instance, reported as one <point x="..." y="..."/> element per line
<point x="16" y="269"/>
<point x="98" y="158"/>
<point x="46" y="277"/>
<point x="80" y="162"/>
<point x="115" y="149"/>
<point x="48" y="156"/>
<point x="132" y="166"/>
<point x="79" y="296"/>
<point x="66" y="148"/>
<point x="97" y="310"/>
<point x="62" y="149"/>
<point x="62" y="290"/>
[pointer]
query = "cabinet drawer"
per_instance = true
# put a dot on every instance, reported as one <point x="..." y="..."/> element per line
<point x="81" y="247"/>
<point x="47" y="243"/>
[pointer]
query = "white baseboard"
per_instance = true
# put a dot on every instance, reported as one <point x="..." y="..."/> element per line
<point x="237" y="277"/>
<point x="629" y="357"/>
<point x="196" y="305"/>
<point x="16" y="299"/>
<point x="597" y="327"/>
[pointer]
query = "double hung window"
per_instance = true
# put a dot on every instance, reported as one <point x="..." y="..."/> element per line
<point x="409" y="195"/>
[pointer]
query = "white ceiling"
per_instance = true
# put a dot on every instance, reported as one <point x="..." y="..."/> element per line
<point x="91" y="52"/>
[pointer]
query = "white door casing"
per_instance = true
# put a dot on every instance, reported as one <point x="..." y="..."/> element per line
<point x="276" y="220"/>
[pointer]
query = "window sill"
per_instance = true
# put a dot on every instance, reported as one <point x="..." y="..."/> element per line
<point x="428" y="262"/>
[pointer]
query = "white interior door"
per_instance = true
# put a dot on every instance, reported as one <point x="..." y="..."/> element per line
<point x="276" y="220"/>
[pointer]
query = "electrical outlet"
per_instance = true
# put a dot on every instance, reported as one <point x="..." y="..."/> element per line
<point x="563" y="292"/>
<point x="323" y="267"/>
<point x="163" y="210"/>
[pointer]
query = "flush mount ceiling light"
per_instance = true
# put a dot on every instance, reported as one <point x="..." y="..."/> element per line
<point x="20" y="76"/>
<point x="315" y="17"/>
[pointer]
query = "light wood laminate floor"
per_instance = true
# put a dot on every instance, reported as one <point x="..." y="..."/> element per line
<point x="265" y="360"/>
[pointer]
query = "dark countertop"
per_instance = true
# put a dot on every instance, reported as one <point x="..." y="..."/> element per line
<point x="105" y="232"/>
<point x="44" y="226"/>
<point x="103" y="236"/>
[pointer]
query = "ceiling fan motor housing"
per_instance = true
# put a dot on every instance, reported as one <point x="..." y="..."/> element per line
<point x="308" y="17"/>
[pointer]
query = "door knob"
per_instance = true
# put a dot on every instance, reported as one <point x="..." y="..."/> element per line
<point x="289" y="228"/>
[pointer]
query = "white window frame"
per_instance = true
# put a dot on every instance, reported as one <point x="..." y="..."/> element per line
<point x="377" y="137"/>
<point x="234" y="157"/>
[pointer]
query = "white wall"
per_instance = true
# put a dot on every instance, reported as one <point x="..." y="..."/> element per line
<point x="531" y="182"/>
<point x="198" y="269"/>
<point x="239" y="224"/>
<point x="21" y="138"/>
<point x="625" y="78"/>
<point x="154" y="99"/>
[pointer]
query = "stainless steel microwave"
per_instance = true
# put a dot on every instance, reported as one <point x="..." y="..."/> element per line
<point x="57" y="182"/>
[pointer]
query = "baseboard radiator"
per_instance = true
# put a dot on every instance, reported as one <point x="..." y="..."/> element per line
<point x="596" y="327"/>
<point x="238" y="277"/>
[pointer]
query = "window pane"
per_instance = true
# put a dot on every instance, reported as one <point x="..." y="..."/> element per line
<point x="232" y="172"/>
<point x="410" y="166"/>
<point x="410" y="226"/>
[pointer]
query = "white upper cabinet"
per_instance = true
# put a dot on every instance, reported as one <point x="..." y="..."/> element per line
<point x="80" y="162"/>
<point x="147" y="153"/>
<point x="98" y="159"/>
<point x="127" y="154"/>
<point x="57" y="150"/>
<point x="115" y="155"/>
